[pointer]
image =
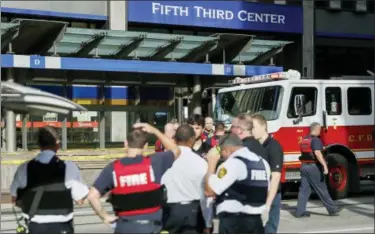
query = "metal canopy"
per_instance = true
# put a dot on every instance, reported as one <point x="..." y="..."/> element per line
<point x="23" y="99"/>
<point x="54" y="38"/>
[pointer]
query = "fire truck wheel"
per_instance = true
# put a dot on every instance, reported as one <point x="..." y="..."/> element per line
<point x="338" y="176"/>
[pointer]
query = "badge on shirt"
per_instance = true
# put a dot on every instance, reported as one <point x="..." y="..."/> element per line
<point x="222" y="172"/>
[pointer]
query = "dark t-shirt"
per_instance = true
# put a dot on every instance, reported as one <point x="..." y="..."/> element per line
<point x="254" y="146"/>
<point x="204" y="148"/>
<point x="316" y="143"/>
<point x="275" y="155"/>
<point x="160" y="162"/>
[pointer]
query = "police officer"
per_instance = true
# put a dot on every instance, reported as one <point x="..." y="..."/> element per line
<point x="169" y="131"/>
<point x="313" y="169"/>
<point x="46" y="186"/>
<point x="219" y="132"/>
<point x="184" y="186"/>
<point x="134" y="183"/>
<point x="240" y="186"/>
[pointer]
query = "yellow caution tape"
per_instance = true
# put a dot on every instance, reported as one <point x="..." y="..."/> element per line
<point x="78" y="158"/>
<point x="164" y="232"/>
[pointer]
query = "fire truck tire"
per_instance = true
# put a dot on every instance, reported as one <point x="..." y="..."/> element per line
<point x="338" y="176"/>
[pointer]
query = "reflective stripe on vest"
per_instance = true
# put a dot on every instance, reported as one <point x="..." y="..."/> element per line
<point x="135" y="190"/>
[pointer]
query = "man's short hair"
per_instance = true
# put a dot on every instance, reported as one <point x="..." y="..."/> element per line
<point x="314" y="124"/>
<point x="137" y="139"/>
<point x="196" y="119"/>
<point x="245" y="122"/>
<point x="48" y="137"/>
<point x="184" y="133"/>
<point x="219" y="126"/>
<point x="230" y="140"/>
<point x="260" y="118"/>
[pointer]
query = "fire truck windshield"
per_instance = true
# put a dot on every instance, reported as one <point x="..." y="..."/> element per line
<point x="262" y="100"/>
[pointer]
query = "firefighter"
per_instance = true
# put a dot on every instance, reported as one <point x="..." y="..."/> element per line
<point x="134" y="184"/>
<point x="46" y="186"/>
<point x="208" y="131"/>
<point x="313" y="171"/>
<point x="169" y="131"/>
<point x="240" y="186"/>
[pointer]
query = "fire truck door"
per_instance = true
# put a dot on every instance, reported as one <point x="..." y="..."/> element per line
<point x="333" y="115"/>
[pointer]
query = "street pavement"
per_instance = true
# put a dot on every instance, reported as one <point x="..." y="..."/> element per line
<point x="356" y="217"/>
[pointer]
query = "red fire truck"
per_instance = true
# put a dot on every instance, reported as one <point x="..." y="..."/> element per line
<point x="344" y="106"/>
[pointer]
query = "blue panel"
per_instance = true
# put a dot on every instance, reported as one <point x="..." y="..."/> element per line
<point x="53" y="13"/>
<point x="85" y="92"/>
<point x="68" y="63"/>
<point x="134" y="66"/>
<point x="56" y="90"/>
<point x="118" y="93"/>
<point x="37" y="62"/>
<point x="219" y="14"/>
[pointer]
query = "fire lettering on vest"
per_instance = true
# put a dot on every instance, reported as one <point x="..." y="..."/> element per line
<point x="258" y="175"/>
<point x="133" y="180"/>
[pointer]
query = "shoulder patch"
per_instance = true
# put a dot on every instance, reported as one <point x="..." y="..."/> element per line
<point x="222" y="172"/>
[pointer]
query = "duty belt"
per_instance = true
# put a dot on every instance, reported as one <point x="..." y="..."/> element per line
<point x="153" y="222"/>
<point x="308" y="161"/>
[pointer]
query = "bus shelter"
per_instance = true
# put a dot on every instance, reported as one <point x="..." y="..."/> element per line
<point x="122" y="72"/>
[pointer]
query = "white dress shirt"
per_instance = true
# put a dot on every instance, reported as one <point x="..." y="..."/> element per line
<point x="236" y="170"/>
<point x="73" y="181"/>
<point x="184" y="180"/>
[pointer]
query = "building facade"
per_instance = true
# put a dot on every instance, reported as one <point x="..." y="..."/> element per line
<point x="330" y="38"/>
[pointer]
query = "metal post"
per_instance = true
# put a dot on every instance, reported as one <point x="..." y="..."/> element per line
<point x="180" y="109"/>
<point x="24" y="131"/>
<point x="213" y="97"/>
<point x="10" y="120"/>
<point x="102" y="120"/>
<point x="308" y="39"/>
<point x="197" y="96"/>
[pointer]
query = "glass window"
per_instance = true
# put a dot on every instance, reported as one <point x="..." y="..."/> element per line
<point x="333" y="101"/>
<point x="359" y="101"/>
<point x="309" y="107"/>
<point x="262" y="100"/>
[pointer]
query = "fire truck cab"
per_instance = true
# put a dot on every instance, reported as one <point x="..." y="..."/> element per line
<point x="344" y="106"/>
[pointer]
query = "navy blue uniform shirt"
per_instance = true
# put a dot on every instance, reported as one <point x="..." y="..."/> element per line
<point x="316" y="144"/>
<point x="160" y="162"/>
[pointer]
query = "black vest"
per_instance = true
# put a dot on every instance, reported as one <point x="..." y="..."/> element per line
<point x="251" y="191"/>
<point x="49" y="178"/>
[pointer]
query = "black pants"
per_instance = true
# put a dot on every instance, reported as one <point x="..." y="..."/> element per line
<point x="181" y="218"/>
<point x="240" y="223"/>
<point x="54" y="228"/>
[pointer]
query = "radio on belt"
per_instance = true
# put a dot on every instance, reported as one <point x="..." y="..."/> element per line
<point x="289" y="75"/>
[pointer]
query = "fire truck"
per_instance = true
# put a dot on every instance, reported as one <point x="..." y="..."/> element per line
<point x="343" y="105"/>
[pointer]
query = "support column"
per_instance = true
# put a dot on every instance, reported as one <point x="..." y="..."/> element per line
<point x="64" y="128"/>
<point x="117" y="20"/>
<point x="197" y="96"/>
<point x="180" y="106"/>
<point x="102" y="120"/>
<point x="308" y="39"/>
<point x="10" y="120"/>
<point x="24" y="131"/>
